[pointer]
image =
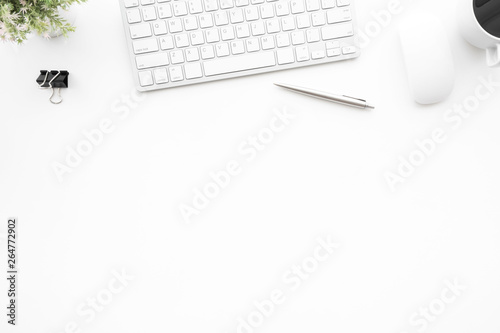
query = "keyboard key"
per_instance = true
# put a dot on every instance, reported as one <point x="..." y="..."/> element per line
<point x="190" y="23"/>
<point x="312" y="35"/>
<point x="332" y="44"/>
<point x="267" y="42"/>
<point x="302" y="53"/>
<point x="312" y="5"/>
<point x="160" y="75"/>
<point x="273" y="26"/>
<point x="237" y="47"/>
<point x="176" y="73"/>
<point x="167" y="43"/>
<point x="298" y="37"/>
<point x="258" y="28"/>
<point x="165" y="11"/>
<point x="239" y="63"/>
<point x="174" y="25"/>
<point x="226" y="4"/>
<point x="221" y="18"/>
<point x="193" y="71"/>
<point x="211" y="5"/>
<point x="145" y="79"/>
<point x="152" y="60"/>
<point x="318" y="54"/>
<point x="181" y="40"/>
<point x="207" y="52"/>
<point x="131" y="3"/>
<point x="318" y="19"/>
<point x="338" y="15"/>
<point x="140" y="30"/>
<point x="147" y="2"/>
<point x="227" y="33"/>
<point x="285" y="56"/>
<point x="133" y="15"/>
<point x="303" y="21"/>
<point x="241" y="3"/>
<point x="197" y="38"/>
<point x="149" y="13"/>
<point x="195" y="6"/>
<point x="206" y="21"/>
<point x="288" y="23"/>
<point x="222" y="49"/>
<point x="252" y="45"/>
<point x="341" y="3"/>
<point x="327" y="4"/>
<point x="192" y="54"/>
<point x="282" y="40"/>
<point x="333" y="52"/>
<point x="349" y="50"/>
<point x="212" y="35"/>
<point x="242" y="30"/>
<point x="282" y="9"/>
<point x="236" y="15"/>
<point x="251" y="13"/>
<point x="266" y="11"/>
<point x="297" y="6"/>
<point x="337" y="31"/>
<point x="160" y="28"/>
<point x="180" y="8"/>
<point x="177" y="57"/>
<point x="145" y="45"/>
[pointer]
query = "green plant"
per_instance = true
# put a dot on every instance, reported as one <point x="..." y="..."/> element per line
<point x="18" y="18"/>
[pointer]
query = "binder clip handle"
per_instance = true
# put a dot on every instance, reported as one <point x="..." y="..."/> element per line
<point x="58" y="94"/>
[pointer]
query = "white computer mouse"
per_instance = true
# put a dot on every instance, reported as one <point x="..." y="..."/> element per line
<point x="428" y="58"/>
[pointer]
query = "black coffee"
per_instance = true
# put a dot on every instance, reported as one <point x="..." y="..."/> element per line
<point x="488" y="15"/>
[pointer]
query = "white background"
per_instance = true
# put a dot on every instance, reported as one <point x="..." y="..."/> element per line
<point x="323" y="175"/>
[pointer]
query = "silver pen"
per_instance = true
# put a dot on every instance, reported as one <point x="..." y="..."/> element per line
<point x="341" y="99"/>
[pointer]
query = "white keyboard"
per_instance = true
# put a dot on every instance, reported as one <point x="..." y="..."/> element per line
<point x="177" y="42"/>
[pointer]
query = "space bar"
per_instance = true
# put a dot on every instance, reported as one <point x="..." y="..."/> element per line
<point x="239" y="63"/>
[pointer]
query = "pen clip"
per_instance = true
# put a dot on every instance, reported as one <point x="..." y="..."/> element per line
<point x="359" y="99"/>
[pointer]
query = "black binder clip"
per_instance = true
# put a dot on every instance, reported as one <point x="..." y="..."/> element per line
<point x="53" y="80"/>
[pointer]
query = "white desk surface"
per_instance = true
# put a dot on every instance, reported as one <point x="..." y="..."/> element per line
<point x="322" y="175"/>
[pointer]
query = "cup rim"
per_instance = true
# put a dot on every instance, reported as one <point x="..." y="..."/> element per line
<point x="476" y="21"/>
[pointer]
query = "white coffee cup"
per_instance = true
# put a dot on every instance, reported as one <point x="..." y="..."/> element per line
<point x="479" y="22"/>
